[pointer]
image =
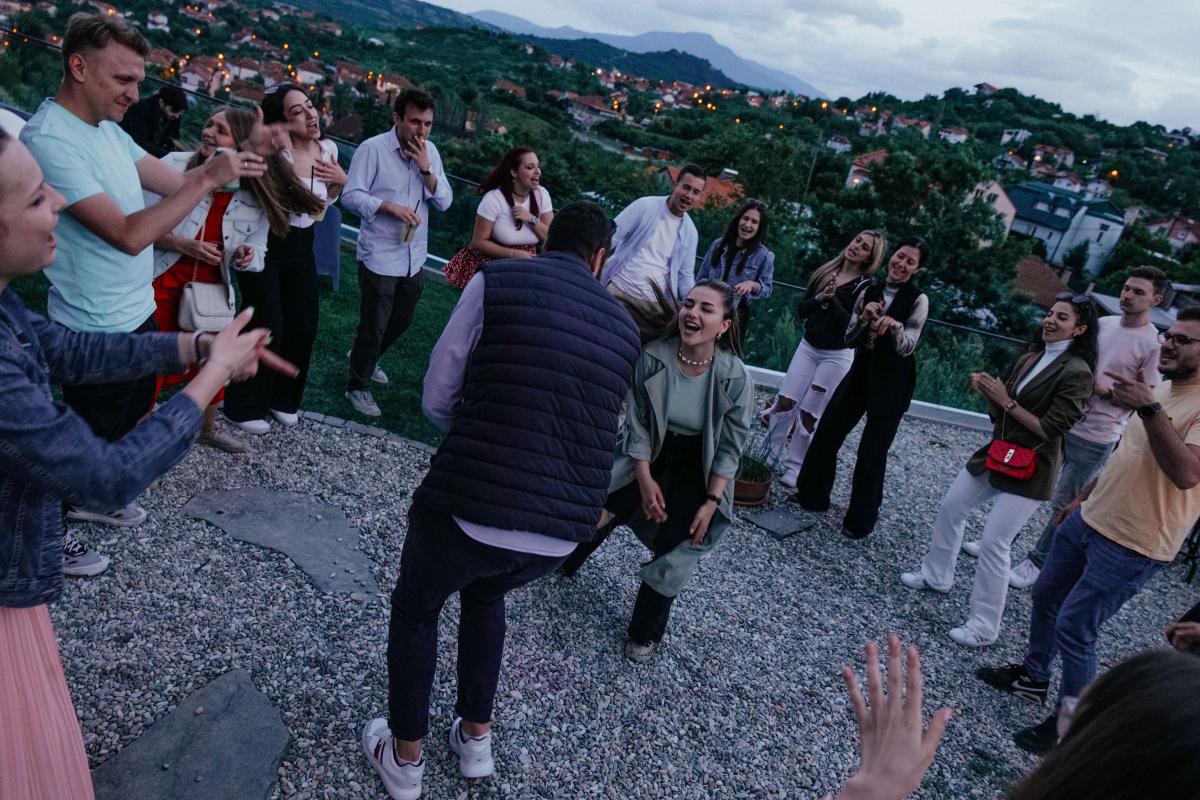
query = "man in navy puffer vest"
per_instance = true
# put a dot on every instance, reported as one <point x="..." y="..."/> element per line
<point x="527" y="380"/>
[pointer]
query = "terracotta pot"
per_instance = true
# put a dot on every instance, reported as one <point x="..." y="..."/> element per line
<point x="750" y="493"/>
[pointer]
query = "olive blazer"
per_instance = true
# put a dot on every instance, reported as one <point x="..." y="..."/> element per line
<point x="1056" y="396"/>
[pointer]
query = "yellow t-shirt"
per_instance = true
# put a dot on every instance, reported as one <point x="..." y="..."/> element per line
<point x="1134" y="503"/>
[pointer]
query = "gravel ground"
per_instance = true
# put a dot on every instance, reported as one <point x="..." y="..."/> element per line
<point x="743" y="700"/>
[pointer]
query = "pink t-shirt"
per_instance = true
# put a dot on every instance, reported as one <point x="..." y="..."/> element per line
<point x="1123" y="351"/>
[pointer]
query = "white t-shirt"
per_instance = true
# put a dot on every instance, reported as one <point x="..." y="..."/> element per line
<point x="329" y="153"/>
<point x="495" y="209"/>
<point x="1123" y="351"/>
<point x="651" y="264"/>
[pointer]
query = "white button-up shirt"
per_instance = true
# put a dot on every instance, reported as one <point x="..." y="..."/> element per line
<point x="380" y="172"/>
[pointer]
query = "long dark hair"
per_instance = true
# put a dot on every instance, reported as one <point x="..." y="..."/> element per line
<point x="502" y="178"/>
<point x="278" y="191"/>
<point x="732" y="340"/>
<point x="1087" y="344"/>
<point x="1135" y="734"/>
<point x="729" y="247"/>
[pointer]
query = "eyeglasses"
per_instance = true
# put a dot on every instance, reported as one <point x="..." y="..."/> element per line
<point x="1074" y="299"/>
<point x="1175" y="339"/>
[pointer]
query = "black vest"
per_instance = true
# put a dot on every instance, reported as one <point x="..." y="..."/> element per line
<point x="532" y="442"/>
<point x="888" y="378"/>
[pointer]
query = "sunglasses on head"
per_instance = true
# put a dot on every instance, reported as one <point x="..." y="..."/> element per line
<point x="1074" y="299"/>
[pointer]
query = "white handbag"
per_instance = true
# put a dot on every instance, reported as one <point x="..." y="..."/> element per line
<point x="205" y="307"/>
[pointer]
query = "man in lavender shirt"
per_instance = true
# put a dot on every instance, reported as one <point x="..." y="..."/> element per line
<point x="1128" y="345"/>
<point x="394" y="179"/>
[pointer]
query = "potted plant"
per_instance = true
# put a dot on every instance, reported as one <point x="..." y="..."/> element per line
<point x="755" y="472"/>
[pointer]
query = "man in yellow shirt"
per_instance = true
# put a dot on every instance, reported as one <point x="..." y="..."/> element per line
<point x="1124" y="527"/>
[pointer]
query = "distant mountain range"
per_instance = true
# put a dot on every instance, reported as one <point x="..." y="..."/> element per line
<point x="701" y="45"/>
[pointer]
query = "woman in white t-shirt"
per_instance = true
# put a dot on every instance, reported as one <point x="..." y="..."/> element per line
<point x="513" y="217"/>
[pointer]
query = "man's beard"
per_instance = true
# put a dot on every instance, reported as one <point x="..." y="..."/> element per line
<point x="1180" y="373"/>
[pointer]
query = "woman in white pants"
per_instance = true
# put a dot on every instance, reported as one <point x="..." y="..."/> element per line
<point x="822" y="359"/>
<point x="1041" y="400"/>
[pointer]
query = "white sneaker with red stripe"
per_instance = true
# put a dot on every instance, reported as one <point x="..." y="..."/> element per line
<point x="474" y="752"/>
<point x="402" y="780"/>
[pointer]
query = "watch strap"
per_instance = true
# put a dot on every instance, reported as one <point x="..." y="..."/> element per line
<point x="713" y="497"/>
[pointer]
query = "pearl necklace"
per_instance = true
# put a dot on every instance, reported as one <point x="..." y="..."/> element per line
<point x="679" y="354"/>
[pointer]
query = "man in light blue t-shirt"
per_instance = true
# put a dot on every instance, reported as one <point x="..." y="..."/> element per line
<point x="101" y="278"/>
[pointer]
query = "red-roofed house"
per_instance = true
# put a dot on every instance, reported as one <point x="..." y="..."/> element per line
<point x="1070" y="181"/>
<point x="1058" y="156"/>
<point x="860" y="170"/>
<point x="161" y="57"/>
<point x="922" y="126"/>
<point x="1010" y="160"/>
<point x="1180" y="231"/>
<point x="718" y="192"/>
<point x="588" y="109"/>
<point x="510" y="87"/>
<point x="954" y="135"/>
<point x="244" y="68"/>
<point x="310" y="72"/>
<point x="348" y="72"/>
<point x="1037" y="281"/>
<point x="555" y="60"/>
<point x="839" y="144"/>
<point x="273" y="73"/>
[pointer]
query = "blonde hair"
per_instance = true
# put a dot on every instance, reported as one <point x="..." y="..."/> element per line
<point x="823" y="273"/>
<point x="278" y="191"/>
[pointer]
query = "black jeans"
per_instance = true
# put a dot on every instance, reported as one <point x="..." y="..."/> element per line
<point x="114" y="409"/>
<point x="386" y="309"/>
<point x="816" y="479"/>
<point x="286" y="300"/>
<point x="679" y="472"/>
<point x="438" y="560"/>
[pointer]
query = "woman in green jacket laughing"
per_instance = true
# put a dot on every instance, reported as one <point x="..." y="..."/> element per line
<point x="688" y="417"/>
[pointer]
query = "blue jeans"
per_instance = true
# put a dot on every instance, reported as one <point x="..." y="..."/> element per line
<point x="1086" y="579"/>
<point x="1081" y="464"/>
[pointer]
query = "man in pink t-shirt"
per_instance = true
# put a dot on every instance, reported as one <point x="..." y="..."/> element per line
<point x="1128" y="343"/>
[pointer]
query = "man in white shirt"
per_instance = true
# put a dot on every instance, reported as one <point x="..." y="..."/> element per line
<point x="655" y="246"/>
<point x="394" y="178"/>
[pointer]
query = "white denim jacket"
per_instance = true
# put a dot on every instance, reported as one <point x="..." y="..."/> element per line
<point x="245" y="222"/>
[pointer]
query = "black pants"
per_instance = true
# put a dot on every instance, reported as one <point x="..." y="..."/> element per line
<point x="679" y="472"/>
<point x="386" y="309"/>
<point x="815" y="482"/>
<point x="113" y="409"/>
<point x="439" y="560"/>
<point x="743" y="320"/>
<point x="286" y="300"/>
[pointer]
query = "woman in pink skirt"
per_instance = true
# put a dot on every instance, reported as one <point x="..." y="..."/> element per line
<point x="50" y="455"/>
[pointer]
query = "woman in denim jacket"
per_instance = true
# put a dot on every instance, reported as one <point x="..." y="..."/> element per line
<point x="227" y="231"/>
<point x="49" y="455"/>
<point x="740" y="259"/>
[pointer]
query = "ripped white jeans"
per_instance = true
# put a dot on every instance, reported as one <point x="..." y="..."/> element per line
<point x="810" y="381"/>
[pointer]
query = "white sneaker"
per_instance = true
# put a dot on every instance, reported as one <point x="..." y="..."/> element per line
<point x="789" y="478"/>
<point x="255" y="426"/>
<point x="1024" y="575"/>
<point x="363" y="402"/>
<point x="474" y="754"/>
<point x="969" y="638"/>
<point x="80" y="561"/>
<point x="126" y="517"/>
<point x="378" y="376"/>
<point x="972" y="548"/>
<point x="402" y="781"/>
<point x="285" y="418"/>
<point x="916" y="581"/>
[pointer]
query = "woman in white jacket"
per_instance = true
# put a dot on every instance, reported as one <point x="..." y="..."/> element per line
<point x="227" y="231"/>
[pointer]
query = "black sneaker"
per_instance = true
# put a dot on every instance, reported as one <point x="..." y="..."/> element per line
<point x="1041" y="738"/>
<point x="1015" y="680"/>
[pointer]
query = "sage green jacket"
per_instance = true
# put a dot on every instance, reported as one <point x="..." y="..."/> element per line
<point x="727" y="426"/>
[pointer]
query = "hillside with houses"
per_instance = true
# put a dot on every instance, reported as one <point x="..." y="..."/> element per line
<point x="1013" y="190"/>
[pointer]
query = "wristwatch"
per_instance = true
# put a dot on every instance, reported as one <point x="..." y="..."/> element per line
<point x="1149" y="410"/>
<point x="426" y="172"/>
<point x="713" y="497"/>
<point x="1010" y="405"/>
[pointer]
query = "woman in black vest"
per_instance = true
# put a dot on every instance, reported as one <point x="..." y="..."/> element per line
<point x="884" y="330"/>
<point x="1043" y="397"/>
<point x="689" y="410"/>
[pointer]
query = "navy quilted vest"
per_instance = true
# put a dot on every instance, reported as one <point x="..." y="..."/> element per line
<point x="531" y="446"/>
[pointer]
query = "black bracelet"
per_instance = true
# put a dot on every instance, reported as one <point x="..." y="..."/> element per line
<point x="714" y="498"/>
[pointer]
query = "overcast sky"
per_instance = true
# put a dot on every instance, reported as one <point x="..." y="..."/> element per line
<point x="1117" y="59"/>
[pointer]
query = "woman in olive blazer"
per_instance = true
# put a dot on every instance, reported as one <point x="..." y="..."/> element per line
<point x="1039" y="403"/>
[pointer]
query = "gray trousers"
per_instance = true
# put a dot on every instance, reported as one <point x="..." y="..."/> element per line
<point x="1082" y="462"/>
<point x="386" y="309"/>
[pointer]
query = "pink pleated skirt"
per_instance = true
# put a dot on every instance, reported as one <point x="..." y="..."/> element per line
<point x="41" y="748"/>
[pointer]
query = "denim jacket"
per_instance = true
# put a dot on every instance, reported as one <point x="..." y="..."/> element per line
<point x="48" y="454"/>
<point x="759" y="266"/>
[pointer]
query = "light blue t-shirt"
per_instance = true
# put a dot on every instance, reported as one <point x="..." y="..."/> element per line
<point x="94" y="286"/>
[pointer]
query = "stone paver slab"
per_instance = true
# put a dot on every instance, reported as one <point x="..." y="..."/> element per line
<point x="781" y="523"/>
<point x="313" y="534"/>
<point x="223" y="741"/>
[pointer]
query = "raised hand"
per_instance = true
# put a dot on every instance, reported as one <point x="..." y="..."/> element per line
<point x="1131" y="393"/>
